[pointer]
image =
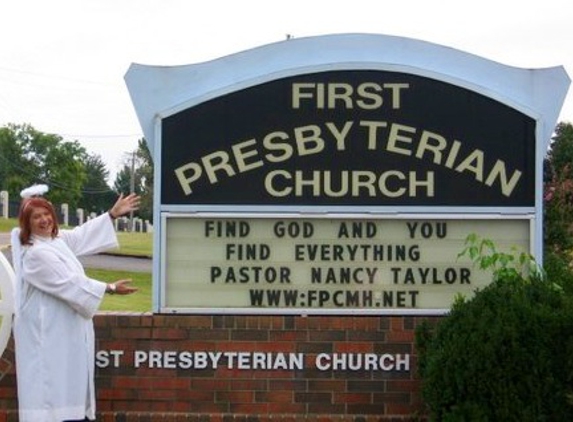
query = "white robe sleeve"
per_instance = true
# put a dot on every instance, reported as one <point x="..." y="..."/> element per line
<point x="17" y="264"/>
<point x="44" y="269"/>
<point x="94" y="236"/>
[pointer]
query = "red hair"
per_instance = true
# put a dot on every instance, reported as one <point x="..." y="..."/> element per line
<point x="26" y="209"/>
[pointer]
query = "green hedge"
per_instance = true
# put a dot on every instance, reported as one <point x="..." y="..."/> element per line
<point x="504" y="355"/>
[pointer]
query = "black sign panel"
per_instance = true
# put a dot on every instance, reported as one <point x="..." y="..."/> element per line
<point x="356" y="137"/>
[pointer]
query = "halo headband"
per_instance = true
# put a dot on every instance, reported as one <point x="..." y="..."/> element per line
<point x="34" y="190"/>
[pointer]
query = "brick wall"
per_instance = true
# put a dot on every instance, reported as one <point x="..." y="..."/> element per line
<point x="147" y="369"/>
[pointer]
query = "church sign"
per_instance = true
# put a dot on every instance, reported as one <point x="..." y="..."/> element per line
<point x="340" y="174"/>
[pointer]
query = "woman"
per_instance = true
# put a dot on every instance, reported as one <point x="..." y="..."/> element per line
<point x="55" y="303"/>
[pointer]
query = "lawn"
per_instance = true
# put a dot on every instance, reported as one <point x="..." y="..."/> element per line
<point x="137" y="302"/>
<point x="135" y="244"/>
<point x="6" y="224"/>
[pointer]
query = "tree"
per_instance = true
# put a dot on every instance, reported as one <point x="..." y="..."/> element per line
<point x="15" y="169"/>
<point x="30" y="156"/>
<point x="558" y="208"/>
<point x="146" y="174"/>
<point x="560" y="154"/>
<point x="97" y="195"/>
<point x="558" y="191"/>
<point x="64" y="169"/>
<point x="122" y="182"/>
<point x="137" y="175"/>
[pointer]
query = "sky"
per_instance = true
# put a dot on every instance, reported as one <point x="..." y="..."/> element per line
<point x="62" y="62"/>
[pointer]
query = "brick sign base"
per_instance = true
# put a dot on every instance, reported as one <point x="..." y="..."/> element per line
<point x="248" y="368"/>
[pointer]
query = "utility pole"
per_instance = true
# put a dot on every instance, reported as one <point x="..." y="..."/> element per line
<point x="132" y="188"/>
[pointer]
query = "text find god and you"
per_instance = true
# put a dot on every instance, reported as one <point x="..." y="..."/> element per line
<point x="301" y="233"/>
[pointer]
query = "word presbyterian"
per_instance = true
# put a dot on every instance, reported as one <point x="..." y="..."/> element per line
<point x="386" y="137"/>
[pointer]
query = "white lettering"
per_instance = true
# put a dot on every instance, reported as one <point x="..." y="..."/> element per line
<point x="106" y="358"/>
<point x="362" y="362"/>
<point x="171" y="359"/>
<point x="390" y="184"/>
<point x="376" y="136"/>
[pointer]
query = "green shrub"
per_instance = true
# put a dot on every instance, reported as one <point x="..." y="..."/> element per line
<point x="558" y="268"/>
<point x="504" y="355"/>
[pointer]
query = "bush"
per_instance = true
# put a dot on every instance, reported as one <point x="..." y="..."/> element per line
<point x="505" y="355"/>
<point x="558" y="268"/>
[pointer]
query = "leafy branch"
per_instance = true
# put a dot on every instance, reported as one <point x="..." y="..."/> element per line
<point x="514" y="265"/>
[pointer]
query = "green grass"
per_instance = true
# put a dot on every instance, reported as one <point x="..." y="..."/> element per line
<point x="7" y="224"/>
<point x="135" y="244"/>
<point x="139" y="301"/>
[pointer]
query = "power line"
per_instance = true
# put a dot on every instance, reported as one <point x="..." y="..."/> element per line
<point x="47" y="76"/>
<point x="50" y="182"/>
<point x="128" y="135"/>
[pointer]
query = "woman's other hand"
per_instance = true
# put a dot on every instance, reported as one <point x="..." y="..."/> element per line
<point x="124" y="205"/>
<point x="122" y="287"/>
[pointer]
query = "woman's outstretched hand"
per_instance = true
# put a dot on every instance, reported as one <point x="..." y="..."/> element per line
<point x="124" y="205"/>
<point x="123" y="287"/>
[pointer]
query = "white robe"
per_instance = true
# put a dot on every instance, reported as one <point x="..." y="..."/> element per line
<point x="53" y="327"/>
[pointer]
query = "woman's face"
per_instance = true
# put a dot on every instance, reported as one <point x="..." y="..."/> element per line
<point x="41" y="222"/>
